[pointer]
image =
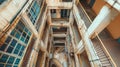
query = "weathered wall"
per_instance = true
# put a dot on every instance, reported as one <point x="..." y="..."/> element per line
<point x="98" y="5"/>
<point x="8" y="11"/>
<point x="114" y="27"/>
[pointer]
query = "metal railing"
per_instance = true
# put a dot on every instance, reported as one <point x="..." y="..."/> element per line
<point x="102" y="44"/>
<point x="84" y="15"/>
<point x="106" y="51"/>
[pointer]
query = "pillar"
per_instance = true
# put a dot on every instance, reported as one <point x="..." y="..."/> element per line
<point x="101" y="21"/>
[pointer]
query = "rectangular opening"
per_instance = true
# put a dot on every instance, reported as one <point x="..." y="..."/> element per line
<point x="65" y="13"/>
<point x="59" y="30"/>
<point x="59" y="44"/>
<point x="59" y="38"/>
<point x="66" y="0"/>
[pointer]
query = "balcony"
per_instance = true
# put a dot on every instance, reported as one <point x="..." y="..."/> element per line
<point x="84" y="16"/>
<point x="107" y="49"/>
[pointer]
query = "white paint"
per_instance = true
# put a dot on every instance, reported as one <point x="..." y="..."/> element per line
<point x="117" y="6"/>
<point x="9" y="11"/>
<point x="100" y="21"/>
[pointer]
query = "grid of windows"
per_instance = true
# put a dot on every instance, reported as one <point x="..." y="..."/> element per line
<point x="33" y="12"/>
<point x="21" y="33"/>
<point x="8" y="61"/>
<point x="14" y="45"/>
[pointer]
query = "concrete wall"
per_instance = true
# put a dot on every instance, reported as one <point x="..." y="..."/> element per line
<point x="98" y="5"/>
<point x="8" y="11"/>
<point x="114" y="27"/>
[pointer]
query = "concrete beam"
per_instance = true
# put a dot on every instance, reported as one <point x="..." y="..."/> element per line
<point x="102" y="20"/>
<point x="60" y="5"/>
<point x="60" y="41"/>
<point x="8" y="11"/>
<point x="59" y="35"/>
<point x="60" y="24"/>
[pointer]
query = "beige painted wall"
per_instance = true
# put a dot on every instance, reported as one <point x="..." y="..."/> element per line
<point x="98" y="5"/>
<point x="114" y="27"/>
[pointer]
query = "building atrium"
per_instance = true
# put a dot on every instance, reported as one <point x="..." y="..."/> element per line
<point x="59" y="33"/>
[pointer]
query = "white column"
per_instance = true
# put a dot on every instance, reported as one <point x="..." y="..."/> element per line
<point x="101" y="21"/>
<point x="93" y="58"/>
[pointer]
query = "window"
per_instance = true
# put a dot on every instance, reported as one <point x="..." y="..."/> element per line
<point x="10" y="49"/>
<point x="17" y="61"/>
<point x="11" y="60"/>
<point x="22" y="48"/>
<point x="4" y="58"/>
<point x="65" y="13"/>
<point x="16" y="51"/>
<point x="8" y="65"/>
<point x="15" y="44"/>
<point x="21" y="32"/>
<point x="1" y="65"/>
<point x="8" y="39"/>
<point x="3" y="47"/>
<point x="34" y="11"/>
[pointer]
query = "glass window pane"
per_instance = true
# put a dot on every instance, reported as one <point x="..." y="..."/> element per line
<point x="11" y="60"/>
<point x="17" y="35"/>
<point x="23" y="47"/>
<point x="17" y="61"/>
<point x="8" y="39"/>
<point x="15" y="66"/>
<point x="28" y="37"/>
<point x="26" y="41"/>
<point x="3" y="47"/>
<point x="16" y="51"/>
<point x="20" y="54"/>
<point x="26" y="30"/>
<point x="22" y="39"/>
<point x="10" y="49"/>
<point x="13" y="32"/>
<point x="29" y="33"/>
<point x="13" y="43"/>
<point x="4" y="58"/>
<point x="8" y="65"/>
<point x="34" y="11"/>
<point x="18" y="46"/>
<point x="1" y="65"/>
<point x="24" y="34"/>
